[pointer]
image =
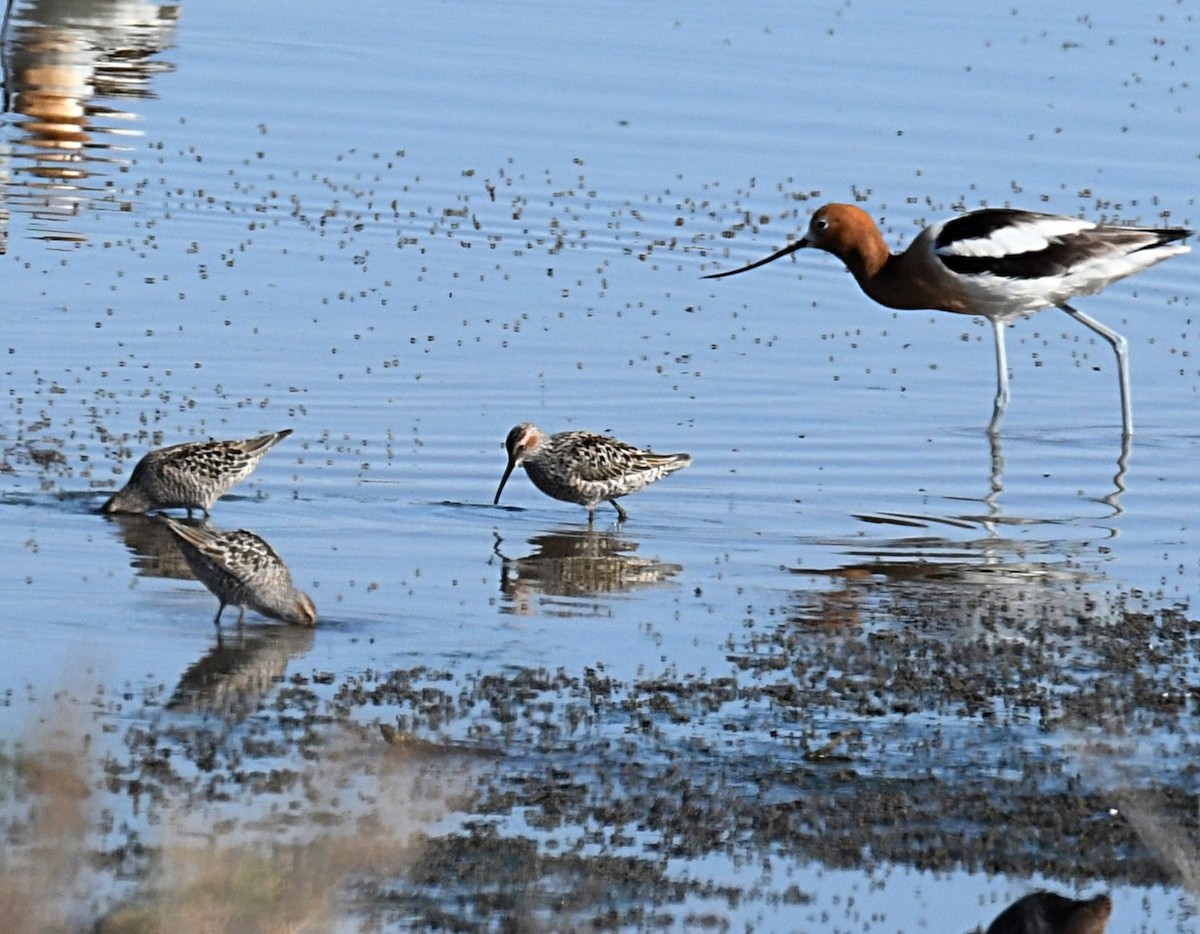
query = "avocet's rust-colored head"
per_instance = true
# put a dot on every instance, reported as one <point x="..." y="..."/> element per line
<point x="841" y="229"/>
<point x="522" y="440"/>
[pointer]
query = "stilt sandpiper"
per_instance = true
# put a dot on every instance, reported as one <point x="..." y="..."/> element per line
<point x="192" y="475"/>
<point x="584" y="468"/>
<point x="242" y="570"/>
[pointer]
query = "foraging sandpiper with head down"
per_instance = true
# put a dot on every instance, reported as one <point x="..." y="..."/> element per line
<point x="193" y="475"/>
<point x="242" y="570"/>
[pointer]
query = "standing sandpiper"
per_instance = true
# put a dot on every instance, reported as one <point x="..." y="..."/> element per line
<point x="244" y="571"/>
<point x="584" y="468"/>
<point x="192" y="475"/>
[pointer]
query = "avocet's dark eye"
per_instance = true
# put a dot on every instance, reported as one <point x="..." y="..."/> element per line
<point x="820" y="223"/>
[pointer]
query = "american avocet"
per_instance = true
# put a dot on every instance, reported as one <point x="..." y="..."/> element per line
<point x="584" y="468"/>
<point x="192" y="475"/>
<point x="999" y="263"/>
<point x="242" y="570"/>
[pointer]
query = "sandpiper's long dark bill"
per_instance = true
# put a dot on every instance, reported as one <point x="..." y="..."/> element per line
<point x="193" y="475"/>
<point x="999" y="263"/>
<point x="584" y="468"/>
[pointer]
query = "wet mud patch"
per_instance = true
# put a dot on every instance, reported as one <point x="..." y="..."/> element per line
<point x="433" y="798"/>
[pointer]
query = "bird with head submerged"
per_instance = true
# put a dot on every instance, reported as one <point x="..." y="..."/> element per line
<point x="584" y="468"/>
<point x="192" y="475"/>
<point x="1000" y="263"/>
<point x="242" y="570"/>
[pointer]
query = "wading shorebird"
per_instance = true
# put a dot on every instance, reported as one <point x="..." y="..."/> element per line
<point x="999" y="263"/>
<point x="192" y="475"/>
<point x="584" y="468"/>
<point x="242" y="570"/>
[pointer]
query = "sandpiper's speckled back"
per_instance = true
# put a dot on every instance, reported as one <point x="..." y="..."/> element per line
<point x="242" y="570"/>
<point x="585" y="468"/>
<point x="193" y="475"/>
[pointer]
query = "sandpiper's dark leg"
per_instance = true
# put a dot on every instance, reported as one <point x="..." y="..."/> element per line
<point x="622" y="515"/>
<point x="217" y="620"/>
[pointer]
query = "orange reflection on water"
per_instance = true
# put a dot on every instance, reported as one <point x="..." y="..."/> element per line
<point x="62" y="60"/>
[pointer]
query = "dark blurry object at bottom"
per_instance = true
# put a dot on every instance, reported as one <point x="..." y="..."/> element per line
<point x="1049" y="913"/>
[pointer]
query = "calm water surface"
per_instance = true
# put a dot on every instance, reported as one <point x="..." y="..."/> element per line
<point x="401" y="232"/>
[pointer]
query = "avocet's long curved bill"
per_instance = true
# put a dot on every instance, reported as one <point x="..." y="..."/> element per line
<point x="790" y="248"/>
<point x="512" y="462"/>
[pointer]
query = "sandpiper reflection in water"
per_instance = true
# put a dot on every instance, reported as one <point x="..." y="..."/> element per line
<point x="154" y="550"/>
<point x="237" y="673"/>
<point x="575" y="563"/>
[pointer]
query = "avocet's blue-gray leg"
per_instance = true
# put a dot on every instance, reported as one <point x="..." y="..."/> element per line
<point x="1121" y="349"/>
<point x="1001" y="377"/>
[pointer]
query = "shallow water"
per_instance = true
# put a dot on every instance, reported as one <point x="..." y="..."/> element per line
<point x="401" y="235"/>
